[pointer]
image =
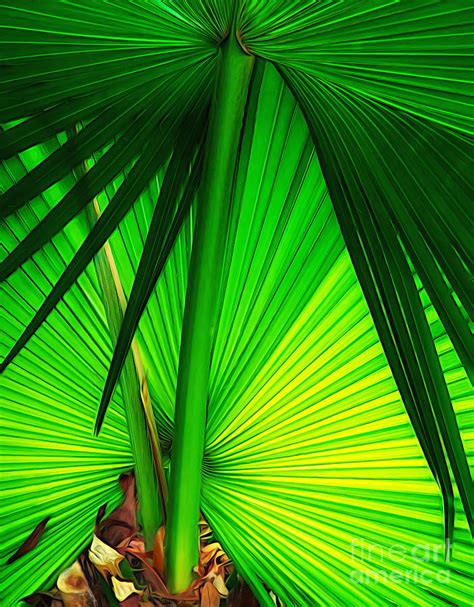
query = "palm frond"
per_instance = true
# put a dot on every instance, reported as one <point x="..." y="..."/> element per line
<point x="386" y="208"/>
<point x="411" y="56"/>
<point x="395" y="173"/>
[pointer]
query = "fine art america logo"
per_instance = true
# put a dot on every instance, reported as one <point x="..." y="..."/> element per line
<point x="419" y="564"/>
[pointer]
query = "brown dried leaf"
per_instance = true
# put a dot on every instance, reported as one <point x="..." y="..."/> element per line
<point x="123" y="589"/>
<point x="158" y="551"/>
<point x="209" y="595"/>
<point x="220" y="586"/>
<point x="74" y="588"/>
<point x="105" y="558"/>
<point x="132" y="601"/>
<point x="211" y="552"/>
<point x="100" y="514"/>
<point x="30" y="542"/>
<point x="122" y="522"/>
<point x="72" y="580"/>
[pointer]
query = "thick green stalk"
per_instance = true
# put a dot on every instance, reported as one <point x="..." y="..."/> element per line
<point x="223" y="140"/>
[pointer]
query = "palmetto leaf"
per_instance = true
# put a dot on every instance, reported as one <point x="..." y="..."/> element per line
<point x="385" y="170"/>
<point x="137" y="179"/>
<point x="55" y="52"/>
<point x="379" y="199"/>
<point x="360" y="139"/>
<point x="413" y="57"/>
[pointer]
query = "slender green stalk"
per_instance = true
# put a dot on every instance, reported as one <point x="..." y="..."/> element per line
<point x="143" y="438"/>
<point x="110" y="273"/>
<point x="223" y="141"/>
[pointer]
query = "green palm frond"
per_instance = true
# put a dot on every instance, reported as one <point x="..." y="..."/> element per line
<point x="413" y="57"/>
<point x="339" y="399"/>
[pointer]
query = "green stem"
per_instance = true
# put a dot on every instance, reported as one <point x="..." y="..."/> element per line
<point x="141" y="439"/>
<point x="223" y="139"/>
<point x="144" y="441"/>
